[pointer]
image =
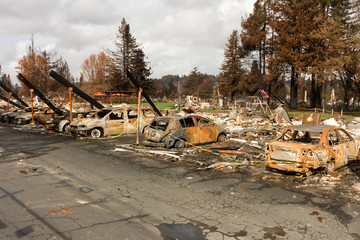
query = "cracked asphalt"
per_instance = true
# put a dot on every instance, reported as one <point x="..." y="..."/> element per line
<point x="56" y="187"/>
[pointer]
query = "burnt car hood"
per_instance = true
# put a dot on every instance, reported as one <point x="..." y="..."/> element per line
<point x="85" y="121"/>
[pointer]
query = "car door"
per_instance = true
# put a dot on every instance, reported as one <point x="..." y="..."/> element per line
<point x="132" y="116"/>
<point x="115" y="123"/>
<point x="349" y="147"/>
<point x="207" y="130"/>
<point x="191" y="131"/>
<point x="337" y="147"/>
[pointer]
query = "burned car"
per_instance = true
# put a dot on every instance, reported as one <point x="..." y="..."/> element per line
<point x="62" y="124"/>
<point x="177" y="131"/>
<point x="305" y="148"/>
<point x="112" y="121"/>
<point x="8" y="117"/>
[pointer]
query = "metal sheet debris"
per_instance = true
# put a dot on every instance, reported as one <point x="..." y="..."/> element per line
<point x="311" y="118"/>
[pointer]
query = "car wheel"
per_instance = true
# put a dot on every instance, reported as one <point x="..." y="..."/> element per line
<point x="169" y="142"/>
<point x="180" y="143"/>
<point x="96" y="133"/>
<point x="66" y="128"/>
<point x="5" y="120"/>
<point x="330" y="167"/>
<point x="221" y="137"/>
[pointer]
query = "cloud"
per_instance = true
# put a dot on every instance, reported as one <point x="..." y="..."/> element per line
<point x="176" y="36"/>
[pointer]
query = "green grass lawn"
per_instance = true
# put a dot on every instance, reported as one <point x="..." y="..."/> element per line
<point x="323" y="116"/>
<point x="159" y="105"/>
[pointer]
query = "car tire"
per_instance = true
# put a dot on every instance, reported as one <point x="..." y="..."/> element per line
<point x="5" y="120"/>
<point x="96" y="133"/>
<point x="180" y="144"/>
<point x="169" y="142"/>
<point x="221" y="137"/>
<point x="330" y="167"/>
<point x="66" y="128"/>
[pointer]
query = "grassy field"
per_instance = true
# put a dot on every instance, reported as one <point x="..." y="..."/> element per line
<point x="297" y="114"/>
<point x="326" y="115"/>
<point x="160" y="105"/>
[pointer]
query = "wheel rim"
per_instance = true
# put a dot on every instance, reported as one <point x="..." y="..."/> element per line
<point x="180" y="144"/>
<point x="330" y="167"/>
<point x="66" y="128"/>
<point x="95" y="133"/>
<point x="170" y="142"/>
<point x="221" y="138"/>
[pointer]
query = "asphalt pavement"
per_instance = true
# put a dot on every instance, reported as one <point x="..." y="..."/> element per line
<point x="53" y="186"/>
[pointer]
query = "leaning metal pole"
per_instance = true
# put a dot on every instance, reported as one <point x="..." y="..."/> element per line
<point x="137" y="85"/>
<point x="2" y="85"/>
<point x="76" y="90"/>
<point x="11" y="102"/>
<point x="40" y="95"/>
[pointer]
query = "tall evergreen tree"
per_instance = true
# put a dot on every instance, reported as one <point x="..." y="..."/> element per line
<point x="231" y="70"/>
<point x="141" y="70"/>
<point x="289" y="26"/>
<point x="255" y="36"/>
<point x="129" y="55"/>
<point x="192" y="82"/>
<point x="250" y="82"/>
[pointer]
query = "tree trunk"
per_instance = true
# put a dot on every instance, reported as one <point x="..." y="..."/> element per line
<point x="261" y="66"/>
<point x="293" y="89"/>
<point x="318" y="93"/>
<point x="268" y="92"/>
<point x="313" y="92"/>
<point x="346" y="93"/>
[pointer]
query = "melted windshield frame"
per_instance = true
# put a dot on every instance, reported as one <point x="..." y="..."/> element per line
<point x="303" y="137"/>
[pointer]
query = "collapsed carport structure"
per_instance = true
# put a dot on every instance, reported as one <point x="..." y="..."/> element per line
<point x="11" y="93"/>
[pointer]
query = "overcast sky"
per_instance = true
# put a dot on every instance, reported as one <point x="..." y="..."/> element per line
<point x="176" y="35"/>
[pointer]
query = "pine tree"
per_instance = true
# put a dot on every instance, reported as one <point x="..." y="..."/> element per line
<point x="289" y="25"/>
<point x="192" y="83"/>
<point x="140" y="70"/>
<point x="255" y="36"/>
<point x="129" y="56"/>
<point x="250" y="82"/>
<point x="206" y="88"/>
<point x="231" y="69"/>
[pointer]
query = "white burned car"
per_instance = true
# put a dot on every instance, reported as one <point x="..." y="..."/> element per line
<point x="112" y="121"/>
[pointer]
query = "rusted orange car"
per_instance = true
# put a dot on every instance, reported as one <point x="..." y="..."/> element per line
<point x="305" y="148"/>
<point x="177" y="131"/>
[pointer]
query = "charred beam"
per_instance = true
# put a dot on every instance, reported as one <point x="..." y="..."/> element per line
<point x="137" y="85"/>
<point x="11" y="102"/>
<point x="40" y="95"/>
<point x="76" y="90"/>
<point x="13" y="94"/>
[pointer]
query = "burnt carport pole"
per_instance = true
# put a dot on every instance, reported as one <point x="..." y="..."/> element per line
<point x="2" y="85"/>
<point x="8" y="103"/>
<point x="76" y="90"/>
<point x="11" y="102"/>
<point x="40" y="95"/>
<point x="137" y="85"/>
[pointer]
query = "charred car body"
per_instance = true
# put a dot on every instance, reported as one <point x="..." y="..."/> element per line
<point x="112" y="121"/>
<point x="305" y="148"/>
<point x="176" y="131"/>
<point x="25" y="117"/>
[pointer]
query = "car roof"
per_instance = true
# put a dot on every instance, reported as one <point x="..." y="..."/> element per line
<point x="178" y="117"/>
<point x="311" y="127"/>
<point x="127" y="107"/>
